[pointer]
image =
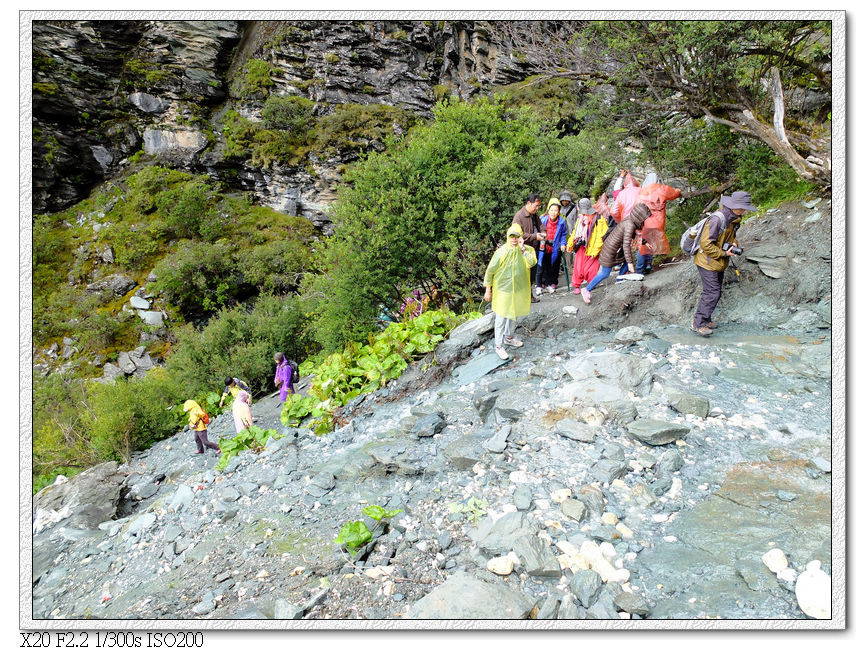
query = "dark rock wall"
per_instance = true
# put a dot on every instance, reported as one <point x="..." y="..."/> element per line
<point x="103" y="90"/>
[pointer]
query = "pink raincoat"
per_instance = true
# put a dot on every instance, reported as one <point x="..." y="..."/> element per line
<point x="241" y="412"/>
<point x="626" y="199"/>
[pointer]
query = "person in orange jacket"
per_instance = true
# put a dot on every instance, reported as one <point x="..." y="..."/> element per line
<point x="655" y="195"/>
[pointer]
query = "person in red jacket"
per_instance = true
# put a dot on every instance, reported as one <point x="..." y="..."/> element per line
<point x="655" y="195"/>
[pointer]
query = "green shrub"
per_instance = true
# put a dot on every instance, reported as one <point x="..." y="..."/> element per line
<point x="133" y="249"/>
<point x="292" y="114"/>
<point x="275" y="267"/>
<point x="431" y="209"/>
<point x="254" y="78"/>
<point x="253" y="438"/>
<point x="354" y="126"/>
<point x="240" y="342"/>
<point x="199" y="277"/>
<point x="188" y="210"/>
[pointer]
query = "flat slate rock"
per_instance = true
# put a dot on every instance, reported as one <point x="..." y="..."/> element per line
<point x="575" y="430"/>
<point x="657" y="432"/>
<point x="537" y="558"/>
<point x="501" y="536"/>
<point x="477" y="368"/>
<point x="463" y="596"/>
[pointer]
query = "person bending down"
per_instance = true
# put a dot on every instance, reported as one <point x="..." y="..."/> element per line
<point x="617" y="247"/>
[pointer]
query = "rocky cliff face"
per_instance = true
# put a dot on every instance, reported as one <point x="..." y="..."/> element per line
<point x="104" y="90"/>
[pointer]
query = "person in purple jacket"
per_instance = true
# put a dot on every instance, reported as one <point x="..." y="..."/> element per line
<point x="283" y="377"/>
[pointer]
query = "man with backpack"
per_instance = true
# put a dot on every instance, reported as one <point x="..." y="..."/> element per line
<point x="233" y="386"/>
<point x="717" y="243"/>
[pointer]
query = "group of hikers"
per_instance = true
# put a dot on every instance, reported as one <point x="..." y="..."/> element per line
<point x="284" y="379"/>
<point x="593" y="239"/>
<point x="596" y="238"/>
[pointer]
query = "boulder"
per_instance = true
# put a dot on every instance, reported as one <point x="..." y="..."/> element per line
<point x="574" y="430"/>
<point x="147" y="103"/>
<point x="502" y="535"/>
<point x="537" y="558"/>
<point x="628" y="372"/>
<point x="110" y="372"/>
<point x="477" y="368"/>
<point x="465" y="597"/>
<point x="152" y="318"/>
<point x="116" y="284"/>
<point x="469" y="333"/>
<point x="125" y="363"/>
<point x="137" y="302"/>
<point x="91" y="497"/>
<point x="629" y="335"/>
<point x="693" y="404"/>
<point x="657" y="432"/>
<point x="586" y="585"/>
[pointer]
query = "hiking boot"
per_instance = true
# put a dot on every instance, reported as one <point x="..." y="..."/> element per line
<point x="551" y="288"/>
<point x="587" y="295"/>
<point x="502" y="354"/>
<point x="510" y="340"/>
<point x="712" y="325"/>
<point x="538" y="291"/>
<point x="702" y="331"/>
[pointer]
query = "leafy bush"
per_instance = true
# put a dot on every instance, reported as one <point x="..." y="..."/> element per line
<point x="188" y="210"/>
<point x="253" y="78"/>
<point x="275" y="267"/>
<point x="199" y="277"/>
<point x="431" y="209"/>
<point x="354" y="126"/>
<point x="241" y="342"/>
<point x="253" y="438"/>
<point x="359" y="369"/>
<point x="292" y="114"/>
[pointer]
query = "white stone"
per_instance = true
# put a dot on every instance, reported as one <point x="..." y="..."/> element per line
<point x="775" y="560"/>
<point x="593" y="556"/>
<point x="626" y="532"/>
<point x="660" y="517"/>
<point x="559" y="496"/>
<point x="671" y="538"/>
<point x="814" y="592"/>
<point x="607" y="550"/>
<point x="501" y="566"/>
<point x="609" y="518"/>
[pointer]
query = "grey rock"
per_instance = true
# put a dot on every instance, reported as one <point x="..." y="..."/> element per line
<point x="574" y="509"/>
<point x="477" y="368"/>
<point x="593" y="498"/>
<point x="116" y="284"/>
<point x="498" y="442"/>
<point x="657" y="346"/>
<point x="483" y="402"/>
<point x="284" y="610"/>
<point x="147" y="103"/>
<point x="171" y="533"/>
<point x="657" y="432"/>
<point x="604" y="533"/>
<point x="626" y="371"/>
<point x="139" y="303"/>
<point x="465" y="597"/>
<point x="229" y="494"/>
<point x="784" y="495"/>
<point x="152" y="318"/>
<point x="821" y="464"/>
<point x="671" y="461"/>
<point x="428" y="426"/>
<point x="603" y="608"/>
<point x="182" y="498"/>
<point x="204" y="607"/>
<point x="92" y="496"/>
<point x="445" y="540"/>
<point x="622" y="411"/>
<point x="537" y="558"/>
<point x="586" y="585"/>
<point x="632" y="603"/>
<point x="110" y="372"/>
<point x="613" y="452"/>
<point x="661" y="485"/>
<point x="465" y="451"/>
<point x="607" y="470"/>
<point x="629" y="335"/>
<point x="693" y="404"/>
<point x="550" y="609"/>
<point x="502" y="535"/>
<point x="145" y="490"/>
<point x="575" y="430"/>
<point x="568" y="610"/>
<point x="523" y="498"/>
<point x="469" y="332"/>
<point x="125" y="363"/>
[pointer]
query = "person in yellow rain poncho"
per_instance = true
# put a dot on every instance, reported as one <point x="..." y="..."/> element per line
<point x="197" y="423"/>
<point x="508" y="286"/>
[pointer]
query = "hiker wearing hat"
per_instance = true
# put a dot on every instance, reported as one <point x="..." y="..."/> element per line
<point x="550" y="255"/>
<point x="586" y="240"/>
<point x="569" y="213"/>
<point x="507" y="283"/>
<point x="655" y="195"/>
<point x="719" y="234"/>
